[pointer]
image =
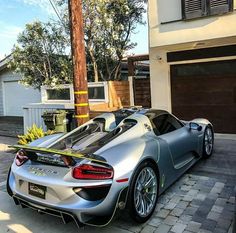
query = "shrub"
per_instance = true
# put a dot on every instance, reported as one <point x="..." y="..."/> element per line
<point x="32" y="134"/>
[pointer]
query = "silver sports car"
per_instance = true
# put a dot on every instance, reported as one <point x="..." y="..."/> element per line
<point x="118" y="160"/>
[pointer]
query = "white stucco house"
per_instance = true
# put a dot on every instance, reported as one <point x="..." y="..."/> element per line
<point x="17" y="101"/>
<point x="13" y="95"/>
<point x="193" y="59"/>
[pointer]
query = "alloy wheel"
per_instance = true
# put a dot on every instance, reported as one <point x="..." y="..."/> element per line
<point x="145" y="191"/>
<point x="208" y="140"/>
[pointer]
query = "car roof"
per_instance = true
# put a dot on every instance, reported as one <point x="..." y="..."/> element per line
<point x="153" y="113"/>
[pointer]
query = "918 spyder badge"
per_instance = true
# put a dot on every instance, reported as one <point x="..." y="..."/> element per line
<point x="37" y="173"/>
<point x="40" y="171"/>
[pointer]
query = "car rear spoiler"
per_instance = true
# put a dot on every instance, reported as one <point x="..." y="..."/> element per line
<point x="69" y="153"/>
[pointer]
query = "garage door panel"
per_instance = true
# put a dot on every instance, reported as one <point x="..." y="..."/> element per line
<point x="216" y="111"/>
<point x="220" y="116"/>
<point x="206" y="84"/>
<point x="16" y="96"/>
<point x="210" y="96"/>
<point x="199" y="97"/>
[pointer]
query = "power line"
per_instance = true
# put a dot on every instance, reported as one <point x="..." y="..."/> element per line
<point x="56" y="11"/>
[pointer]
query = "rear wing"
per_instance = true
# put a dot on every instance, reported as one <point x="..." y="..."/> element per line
<point x="69" y="153"/>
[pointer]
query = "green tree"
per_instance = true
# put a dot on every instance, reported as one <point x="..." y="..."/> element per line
<point x="120" y="22"/>
<point x="41" y="55"/>
<point x="108" y="25"/>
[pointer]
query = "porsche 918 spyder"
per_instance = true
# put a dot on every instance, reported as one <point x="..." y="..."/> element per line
<point x="124" y="159"/>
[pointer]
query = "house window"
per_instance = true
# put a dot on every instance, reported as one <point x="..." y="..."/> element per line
<point x="58" y="94"/>
<point x="165" y="124"/>
<point x="97" y="92"/>
<point x="199" y="8"/>
<point x="61" y="94"/>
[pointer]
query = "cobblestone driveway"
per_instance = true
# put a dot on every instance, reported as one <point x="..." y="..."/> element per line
<point x="203" y="200"/>
<point x="193" y="204"/>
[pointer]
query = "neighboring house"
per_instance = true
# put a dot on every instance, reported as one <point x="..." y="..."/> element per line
<point x="17" y="100"/>
<point x="13" y="95"/>
<point x="193" y="59"/>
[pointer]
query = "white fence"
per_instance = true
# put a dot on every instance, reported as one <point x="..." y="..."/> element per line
<point x="33" y="113"/>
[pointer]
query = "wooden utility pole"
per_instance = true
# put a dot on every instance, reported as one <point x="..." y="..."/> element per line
<point x="79" y="61"/>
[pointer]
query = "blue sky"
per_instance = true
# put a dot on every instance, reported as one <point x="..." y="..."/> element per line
<point x="14" y="14"/>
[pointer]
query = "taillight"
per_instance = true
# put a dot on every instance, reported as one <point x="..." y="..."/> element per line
<point x="91" y="172"/>
<point x="21" y="157"/>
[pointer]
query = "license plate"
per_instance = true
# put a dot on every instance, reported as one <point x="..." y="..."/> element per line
<point x="37" y="190"/>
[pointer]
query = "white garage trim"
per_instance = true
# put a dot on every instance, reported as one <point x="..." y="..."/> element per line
<point x="3" y="99"/>
<point x="203" y="60"/>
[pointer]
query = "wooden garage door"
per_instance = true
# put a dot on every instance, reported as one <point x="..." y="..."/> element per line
<point x="206" y="90"/>
<point x="142" y="92"/>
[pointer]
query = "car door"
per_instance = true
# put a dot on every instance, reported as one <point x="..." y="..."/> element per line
<point x="182" y="142"/>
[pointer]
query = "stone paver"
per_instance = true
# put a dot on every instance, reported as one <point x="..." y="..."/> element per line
<point x="224" y="223"/>
<point x="182" y="204"/>
<point x="193" y="226"/>
<point x="213" y="216"/>
<point x="170" y="220"/>
<point x="148" y="229"/>
<point x="190" y="210"/>
<point x="199" y="202"/>
<point x="163" y="228"/>
<point x="163" y="213"/>
<point x="188" y="198"/>
<point x="221" y="201"/>
<point x="185" y="218"/>
<point x="155" y="221"/>
<point x="170" y="206"/>
<point x="201" y="196"/>
<point x="217" y="209"/>
<point x="178" y="228"/>
<point x="209" y="225"/>
<point x="177" y="212"/>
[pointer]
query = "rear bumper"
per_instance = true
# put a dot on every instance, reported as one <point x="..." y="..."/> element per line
<point x="64" y="215"/>
<point x="95" y="213"/>
<point x="67" y="216"/>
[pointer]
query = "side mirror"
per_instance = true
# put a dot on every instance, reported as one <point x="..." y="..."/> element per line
<point x="195" y="126"/>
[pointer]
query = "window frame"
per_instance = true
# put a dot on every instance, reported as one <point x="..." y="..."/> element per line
<point x="44" y="94"/>
<point x="194" y="14"/>
<point x="45" y="100"/>
<point x="206" y="9"/>
<point x="100" y="84"/>
<point x="156" y="130"/>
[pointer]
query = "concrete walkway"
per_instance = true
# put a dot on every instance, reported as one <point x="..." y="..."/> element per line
<point x="6" y="157"/>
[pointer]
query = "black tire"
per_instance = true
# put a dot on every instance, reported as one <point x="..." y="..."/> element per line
<point x="132" y="205"/>
<point x="208" y="142"/>
<point x="9" y="191"/>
